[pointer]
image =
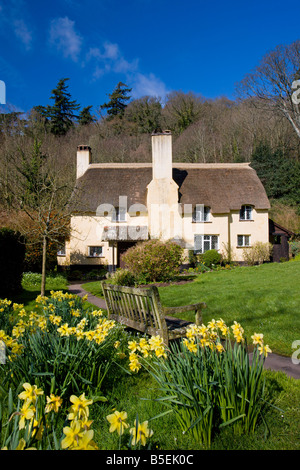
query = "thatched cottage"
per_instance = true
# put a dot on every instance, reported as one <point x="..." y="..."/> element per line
<point x="201" y="206"/>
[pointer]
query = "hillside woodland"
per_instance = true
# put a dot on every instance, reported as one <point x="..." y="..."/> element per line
<point x="261" y="125"/>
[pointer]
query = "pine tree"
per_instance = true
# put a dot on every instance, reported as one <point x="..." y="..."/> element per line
<point x="61" y="115"/>
<point x="85" y="116"/>
<point x="118" y="101"/>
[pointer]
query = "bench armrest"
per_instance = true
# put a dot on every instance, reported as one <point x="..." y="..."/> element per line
<point x="172" y="311"/>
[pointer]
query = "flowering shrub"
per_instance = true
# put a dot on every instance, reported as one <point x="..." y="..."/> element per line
<point x="60" y="345"/>
<point x="207" y="379"/>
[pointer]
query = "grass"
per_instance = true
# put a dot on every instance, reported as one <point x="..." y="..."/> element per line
<point x="31" y="288"/>
<point x="282" y="418"/>
<point x="262" y="298"/>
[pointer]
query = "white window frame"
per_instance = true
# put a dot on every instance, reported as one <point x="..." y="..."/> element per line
<point x="246" y="212"/>
<point x="203" y="243"/>
<point x="201" y="213"/>
<point x="119" y="214"/>
<point x="92" y="253"/>
<point x="244" y="239"/>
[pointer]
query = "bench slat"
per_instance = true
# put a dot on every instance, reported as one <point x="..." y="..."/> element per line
<point x="141" y="309"/>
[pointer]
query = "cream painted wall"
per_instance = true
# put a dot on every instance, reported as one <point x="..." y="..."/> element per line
<point x="87" y="231"/>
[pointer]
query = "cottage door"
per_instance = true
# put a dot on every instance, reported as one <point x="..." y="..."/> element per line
<point x="121" y="249"/>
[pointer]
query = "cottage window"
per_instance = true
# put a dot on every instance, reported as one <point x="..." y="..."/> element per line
<point x="61" y="251"/>
<point x="201" y="213"/>
<point x="203" y="243"/>
<point x="246" y="213"/>
<point x="95" y="251"/>
<point x="119" y="214"/>
<point x="243" y="240"/>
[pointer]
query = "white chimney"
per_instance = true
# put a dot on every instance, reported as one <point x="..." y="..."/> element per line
<point x="162" y="196"/>
<point x="84" y="158"/>
<point x="162" y="155"/>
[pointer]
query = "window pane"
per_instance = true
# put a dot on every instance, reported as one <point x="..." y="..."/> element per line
<point x="198" y="240"/>
<point x="206" y="214"/>
<point x="240" y="240"/>
<point x="95" y="251"/>
<point x="201" y="213"/>
<point x="248" y="212"/>
<point x="206" y="245"/>
<point x="214" y="242"/>
<point x="247" y="240"/>
<point x="119" y="214"/>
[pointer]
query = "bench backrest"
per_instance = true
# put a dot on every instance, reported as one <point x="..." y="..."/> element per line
<point x="138" y="308"/>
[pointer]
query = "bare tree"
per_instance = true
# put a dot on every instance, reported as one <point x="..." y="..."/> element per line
<point x="272" y="84"/>
<point x="40" y="199"/>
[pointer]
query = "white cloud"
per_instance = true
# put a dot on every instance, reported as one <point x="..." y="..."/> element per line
<point x="23" y="33"/>
<point x="148" y="85"/>
<point x="63" y="36"/>
<point x="109" y="58"/>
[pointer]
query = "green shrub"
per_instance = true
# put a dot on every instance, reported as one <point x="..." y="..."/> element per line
<point x="154" y="260"/>
<point x="12" y="253"/>
<point x="211" y="257"/>
<point x="123" y="277"/>
<point x="295" y="248"/>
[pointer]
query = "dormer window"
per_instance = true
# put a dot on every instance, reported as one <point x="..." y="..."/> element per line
<point x="246" y="213"/>
<point x="119" y="214"/>
<point x="201" y="213"/>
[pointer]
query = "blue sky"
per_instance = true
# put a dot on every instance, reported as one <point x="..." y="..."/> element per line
<point x="152" y="46"/>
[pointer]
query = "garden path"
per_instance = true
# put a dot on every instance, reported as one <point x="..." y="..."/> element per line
<point x="273" y="361"/>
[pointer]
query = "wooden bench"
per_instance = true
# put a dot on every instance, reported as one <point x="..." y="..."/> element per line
<point x="141" y="310"/>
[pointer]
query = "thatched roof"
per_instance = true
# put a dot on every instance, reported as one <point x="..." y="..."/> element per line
<point x="222" y="187"/>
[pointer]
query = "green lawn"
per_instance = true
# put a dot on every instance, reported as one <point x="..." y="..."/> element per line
<point x="264" y="299"/>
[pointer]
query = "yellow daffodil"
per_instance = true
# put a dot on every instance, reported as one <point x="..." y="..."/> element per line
<point x="257" y="338"/>
<point x="73" y="433"/>
<point x="117" y="422"/>
<point x="86" y="441"/>
<point x="27" y="413"/>
<point x="264" y="350"/>
<point x="140" y="432"/>
<point x="53" y="403"/>
<point x="133" y="346"/>
<point x="31" y="393"/>
<point x="80" y="407"/>
<point x="134" y="363"/>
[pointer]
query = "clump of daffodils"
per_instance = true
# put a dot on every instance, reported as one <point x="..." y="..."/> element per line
<point x="212" y="334"/>
<point x="33" y="414"/>
<point x="145" y="349"/>
<point x="79" y="435"/>
<point x="140" y="432"/>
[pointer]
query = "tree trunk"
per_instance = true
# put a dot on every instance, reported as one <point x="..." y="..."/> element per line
<point x="43" y="284"/>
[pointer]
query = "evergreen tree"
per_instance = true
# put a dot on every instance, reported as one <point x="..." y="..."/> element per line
<point x="118" y="101"/>
<point x="85" y="116"/>
<point x="61" y="115"/>
<point x="279" y="174"/>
